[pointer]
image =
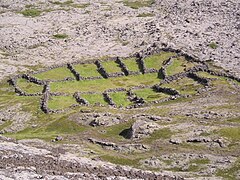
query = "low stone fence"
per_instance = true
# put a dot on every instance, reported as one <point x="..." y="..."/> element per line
<point x="108" y="99"/>
<point x="101" y="69"/>
<point x="116" y="90"/>
<point x="122" y="66"/>
<point x="200" y="80"/>
<point x="74" y="72"/>
<point x="33" y="79"/>
<point x="117" y="74"/>
<point x="223" y="74"/>
<point x="134" y="98"/>
<point x="79" y="99"/>
<point x="44" y="102"/>
<point x="165" y="90"/>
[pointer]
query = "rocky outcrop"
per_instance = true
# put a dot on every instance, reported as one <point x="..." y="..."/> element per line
<point x="140" y="129"/>
<point x="122" y="147"/>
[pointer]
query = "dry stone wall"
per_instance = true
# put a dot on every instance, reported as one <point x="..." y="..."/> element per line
<point x="74" y="72"/>
<point x="138" y="101"/>
<point x="101" y="69"/>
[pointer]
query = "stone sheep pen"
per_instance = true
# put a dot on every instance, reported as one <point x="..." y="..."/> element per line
<point x="145" y="78"/>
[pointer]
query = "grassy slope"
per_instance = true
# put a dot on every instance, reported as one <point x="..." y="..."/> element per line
<point x="120" y="99"/>
<point x="178" y="65"/>
<point x="87" y="70"/>
<point x="111" y="67"/>
<point x="59" y="102"/>
<point x="29" y="87"/>
<point x="156" y="61"/>
<point x="150" y="95"/>
<point x="131" y="64"/>
<point x="184" y="86"/>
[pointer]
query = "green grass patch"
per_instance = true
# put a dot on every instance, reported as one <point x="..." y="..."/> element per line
<point x="184" y="86"/>
<point x="70" y="3"/>
<point x="111" y="67"/>
<point x="60" y="36"/>
<point x="50" y="129"/>
<point x="235" y="120"/>
<point x="113" y="132"/>
<point x="213" y="45"/>
<point x="121" y="160"/>
<point x="94" y="98"/>
<point x="31" y="12"/>
<point x="230" y="173"/>
<point x="55" y="74"/>
<point x="131" y="64"/>
<point x="156" y="61"/>
<point x="100" y="85"/>
<point x="120" y="98"/>
<point x="149" y="94"/>
<point x="29" y="87"/>
<point x="232" y="133"/>
<point x="5" y="124"/>
<point x="136" y="4"/>
<point x="206" y="75"/>
<point x="87" y="70"/>
<point x="178" y="65"/>
<point x="60" y="102"/>
<point x="146" y="15"/>
<point x="62" y="3"/>
<point x="200" y="161"/>
<point x="164" y="133"/>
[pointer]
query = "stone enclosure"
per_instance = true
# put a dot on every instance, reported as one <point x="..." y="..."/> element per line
<point x="117" y="82"/>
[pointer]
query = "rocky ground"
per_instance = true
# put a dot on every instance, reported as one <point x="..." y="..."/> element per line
<point x="208" y="30"/>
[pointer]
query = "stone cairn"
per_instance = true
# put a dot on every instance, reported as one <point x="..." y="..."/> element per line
<point x="108" y="99"/>
<point x="101" y="69"/>
<point x="122" y="66"/>
<point x="79" y="99"/>
<point x="74" y="72"/>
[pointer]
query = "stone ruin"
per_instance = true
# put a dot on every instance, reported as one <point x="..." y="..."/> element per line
<point x="164" y="78"/>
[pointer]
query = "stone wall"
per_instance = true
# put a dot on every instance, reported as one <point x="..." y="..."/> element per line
<point x="101" y="69"/>
<point x="33" y="79"/>
<point x="165" y="90"/>
<point x="200" y="80"/>
<point x="122" y="66"/>
<point x="74" y="72"/>
<point x="108" y="99"/>
<point x="44" y="100"/>
<point x="79" y="99"/>
<point x="141" y="64"/>
<point x="134" y="98"/>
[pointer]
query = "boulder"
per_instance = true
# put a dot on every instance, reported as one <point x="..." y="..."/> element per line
<point x="140" y="129"/>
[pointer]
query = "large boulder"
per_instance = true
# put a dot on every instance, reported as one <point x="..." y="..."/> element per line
<point x="140" y="129"/>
